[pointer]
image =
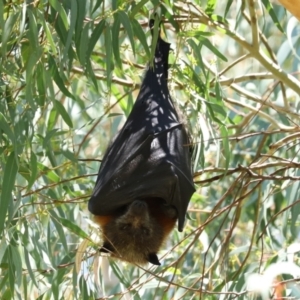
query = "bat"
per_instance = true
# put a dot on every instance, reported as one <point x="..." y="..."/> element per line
<point x="145" y="180"/>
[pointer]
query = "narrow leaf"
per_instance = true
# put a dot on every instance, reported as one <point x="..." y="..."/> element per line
<point x="59" y="8"/>
<point x="127" y="26"/>
<point x="58" y="80"/>
<point x="228" y="5"/>
<point x="33" y="32"/>
<point x="270" y="9"/>
<point x="33" y="169"/>
<point x="115" y="40"/>
<point x="10" y="172"/>
<point x="29" y="268"/>
<point x="62" y="111"/>
<point x="71" y="29"/>
<point x="49" y="36"/>
<point x="97" y="5"/>
<point x="82" y="45"/>
<point x="73" y="228"/>
<point x="59" y="229"/>
<point x="17" y="261"/>
<point x="1" y="16"/>
<point x="6" y="128"/>
<point x="80" y="18"/>
<point x="213" y="49"/>
<point x="6" y="33"/>
<point x="108" y="55"/>
<point x="137" y="8"/>
<point x="140" y="34"/>
<point x="30" y="70"/>
<point x="94" y="38"/>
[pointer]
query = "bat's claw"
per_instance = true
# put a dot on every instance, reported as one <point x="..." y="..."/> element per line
<point x="153" y="259"/>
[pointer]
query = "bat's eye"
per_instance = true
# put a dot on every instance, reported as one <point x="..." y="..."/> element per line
<point x="146" y="231"/>
<point x="125" y="227"/>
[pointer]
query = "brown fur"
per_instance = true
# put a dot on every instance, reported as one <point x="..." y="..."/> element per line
<point x="136" y="233"/>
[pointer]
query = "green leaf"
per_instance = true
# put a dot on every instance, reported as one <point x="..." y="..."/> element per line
<point x="49" y="135"/>
<point x="52" y="176"/>
<point x="94" y="38"/>
<point x="6" y="33"/>
<point x="96" y="6"/>
<point x="115" y="40"/>
<point x="1" y="19"/>
<point x="10" y="173"/>
<point x="210" y="7"/>
<point x="69" y="155"/>
<point x="24" y="171"/>
<point x="3" y="247"/>
<point x="17" y="262"/>
<point x="30" y="70"/>
<point x="33" y="169"/>
<point x="120" y="274"/>
<point x="29" y="268"/>
<point x="80" y="18"/>
<point x="127" y="26"/>
<point x="11" y="270"/>
<point x="269" y="7"/>
<point x="137" y="8"/>
<point x="52" y="119"/>
<point x="197" y="80"/>
<point x="140" y="34"/>
<point x="71" y="29"/>
<point x="33" y="32"/>
<point x="61" y="26"/>
<point x="40" y="82"/>
<point x="213" y="49"/>
<point x="6" y="128"/>
<point x="91" y="74"/>
<point x="49" y="36"/>
<point x="108" y="56"/>
<point x="167" y="10"/>
<point x="73" y="228"/>
<point x="59" y="8"/>
<point x="62" y="111"/>
<point x="228" y="5"/>
<point x="59" y="229"/>
<point x="82" y="45"/>
<point x="58" y="80"/>
<point x="115" y="4"/>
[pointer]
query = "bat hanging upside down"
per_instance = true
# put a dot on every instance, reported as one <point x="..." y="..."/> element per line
<point x="145" y="180"/>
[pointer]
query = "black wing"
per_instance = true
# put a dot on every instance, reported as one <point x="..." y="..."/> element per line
<point x="150" y="157"/>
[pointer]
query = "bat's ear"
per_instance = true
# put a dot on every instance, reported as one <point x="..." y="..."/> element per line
<point x="106" y="248"/>
<point x="153" y="259"/>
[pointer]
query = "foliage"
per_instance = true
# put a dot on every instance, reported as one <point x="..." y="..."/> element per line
<point x="70" y="71"/>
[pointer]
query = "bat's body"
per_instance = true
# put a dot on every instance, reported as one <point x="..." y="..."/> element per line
<point x="145" y="180"/>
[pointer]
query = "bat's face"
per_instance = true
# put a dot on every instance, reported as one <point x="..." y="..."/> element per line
<point x="136" y="220"/>
<point x="134" y="236"/>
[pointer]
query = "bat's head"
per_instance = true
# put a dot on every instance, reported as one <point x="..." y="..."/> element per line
<point x="134" y="236"/>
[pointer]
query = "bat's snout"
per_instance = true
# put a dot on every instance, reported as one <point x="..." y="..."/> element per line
<point x="139" y="207"/>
